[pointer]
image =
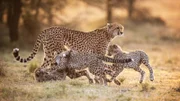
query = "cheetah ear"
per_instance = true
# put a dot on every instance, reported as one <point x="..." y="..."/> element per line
<point x="66" y="54"/>
<point x="69" y="52"/>
<point x="115" y="46"/>
<point x="108" y="26"/>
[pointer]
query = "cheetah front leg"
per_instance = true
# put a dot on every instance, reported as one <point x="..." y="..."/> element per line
<point x="98" y="80"/>
<point x="109" y="72"/>
<point x="138" y="69"/>
<point x="116" y="71"/>
<point x="73" y="74"/>
<point x="105" y="79"/>
<point x="101" y="79"/>
<point x="102" y="76"/>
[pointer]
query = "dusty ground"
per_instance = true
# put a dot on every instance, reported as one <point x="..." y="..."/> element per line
<point x="18" y="84"/>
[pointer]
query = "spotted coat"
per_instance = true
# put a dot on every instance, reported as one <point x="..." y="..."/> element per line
<point x="139" y="57"/>
<point x="55" y="38"/>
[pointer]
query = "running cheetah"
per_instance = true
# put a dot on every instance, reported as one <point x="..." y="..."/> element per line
<point x="139" y="57"/>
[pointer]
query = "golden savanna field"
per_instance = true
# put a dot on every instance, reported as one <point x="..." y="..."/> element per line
<point x="153" y="26"/>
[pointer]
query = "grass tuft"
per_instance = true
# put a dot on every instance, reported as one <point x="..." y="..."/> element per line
<point x="145" y="87"/>
<point x="32" y="67"/>
<point x="120" y="96"/>
<point x="122" y="79"/>
<point x="92" y="97"/>
<point x="153" y="88"/>
<point x="169" y="61"/>
<point x="129" y="99"/>
<point x="177" y="89"/>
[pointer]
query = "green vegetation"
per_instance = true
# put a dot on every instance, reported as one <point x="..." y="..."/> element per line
<point x="32" y="67"/>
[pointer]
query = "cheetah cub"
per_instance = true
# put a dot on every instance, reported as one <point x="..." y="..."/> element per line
<point x="72" y="59"/>
<point x="138" y="57"/>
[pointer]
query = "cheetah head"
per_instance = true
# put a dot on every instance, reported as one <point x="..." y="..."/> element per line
<point x="62" y="58"/>
<point x="41" y="75"/>
<point x="113" y="49"/>
<point x="115" y="29"/>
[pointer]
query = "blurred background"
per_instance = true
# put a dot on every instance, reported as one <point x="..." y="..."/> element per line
<point x="22" y="18"/>
<point x="150" y="25"/>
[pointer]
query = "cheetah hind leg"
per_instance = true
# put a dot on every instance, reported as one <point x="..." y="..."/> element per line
<point x="145" y="61"/>
<point x="98" y="80"/>
<point x="151" y="72"/>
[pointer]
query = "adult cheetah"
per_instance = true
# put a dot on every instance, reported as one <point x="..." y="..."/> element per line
<point x="54" y="39"/>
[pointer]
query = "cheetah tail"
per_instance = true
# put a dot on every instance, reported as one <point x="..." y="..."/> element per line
<point x="34" y="51"/>
<point x="107" y="59"/>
